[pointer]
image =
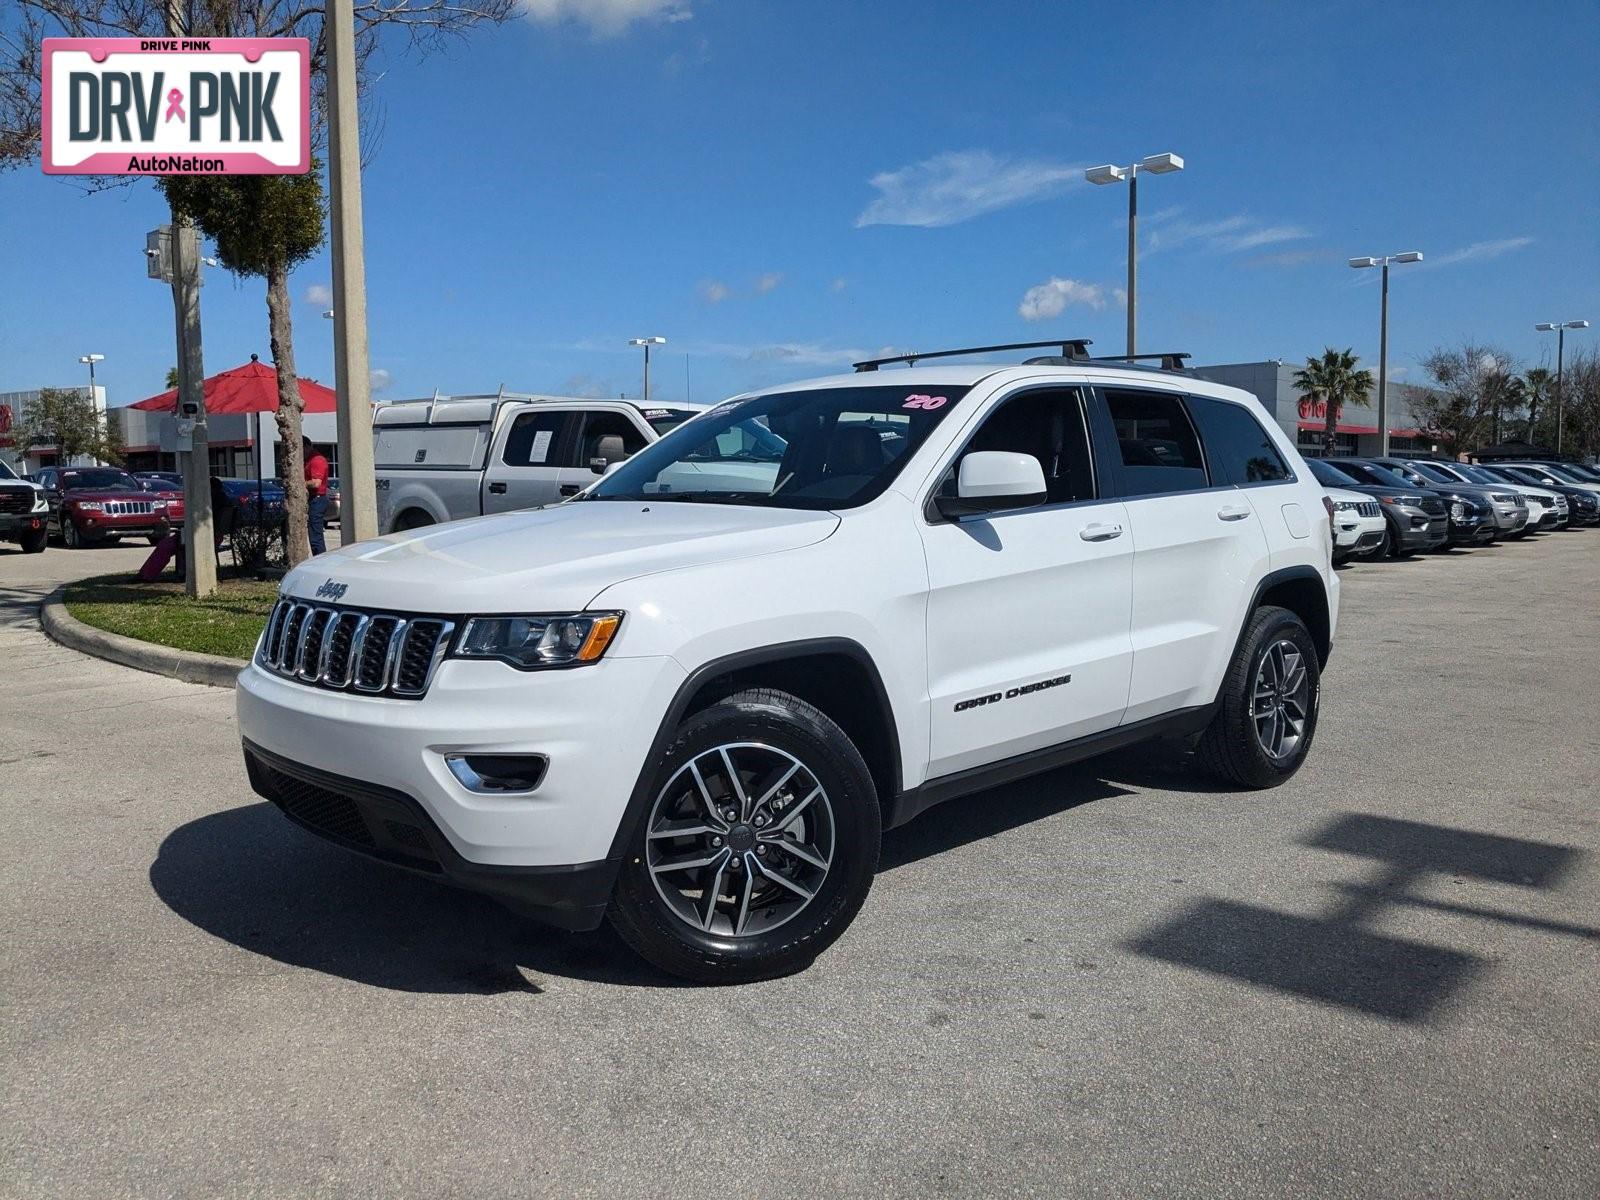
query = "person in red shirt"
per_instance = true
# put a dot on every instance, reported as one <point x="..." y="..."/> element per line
<point x="316" y="495"/>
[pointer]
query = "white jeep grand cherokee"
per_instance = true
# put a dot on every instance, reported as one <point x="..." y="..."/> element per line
<point x="693" y="698"/>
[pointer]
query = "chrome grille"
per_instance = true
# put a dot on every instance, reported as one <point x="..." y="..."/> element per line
<point x="1368" y="508"/>
<point x="1433" y="506"/>
<point x="17" y="500"/>
<point x="346" y="649"/>
<point x="128" y="508"/>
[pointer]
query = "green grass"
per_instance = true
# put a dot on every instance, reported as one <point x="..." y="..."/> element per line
<point x="227" y="623"/>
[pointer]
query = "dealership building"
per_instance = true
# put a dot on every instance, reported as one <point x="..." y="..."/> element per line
<point x="1304" y="420"/>
<point x="14" y="407"/>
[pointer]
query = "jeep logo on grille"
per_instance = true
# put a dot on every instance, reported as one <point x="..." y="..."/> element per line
<point x="332" y="590"/>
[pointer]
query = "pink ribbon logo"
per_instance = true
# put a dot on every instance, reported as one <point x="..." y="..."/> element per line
<point x="175" y="106"/>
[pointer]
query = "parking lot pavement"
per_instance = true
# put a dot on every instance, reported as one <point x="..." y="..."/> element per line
<point x="1378" y="980"/>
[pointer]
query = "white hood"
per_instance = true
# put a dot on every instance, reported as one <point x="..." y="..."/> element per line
<point x="548" y="560"/>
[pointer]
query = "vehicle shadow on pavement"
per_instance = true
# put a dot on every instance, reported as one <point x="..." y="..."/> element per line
<point x="1337" y="956"/>
<point x="250" y="878"/>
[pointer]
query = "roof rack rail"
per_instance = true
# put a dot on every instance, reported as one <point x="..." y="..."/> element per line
<point x="1075" y="349"/>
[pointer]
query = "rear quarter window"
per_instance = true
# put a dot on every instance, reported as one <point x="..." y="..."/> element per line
<point x="1238" y="448"/>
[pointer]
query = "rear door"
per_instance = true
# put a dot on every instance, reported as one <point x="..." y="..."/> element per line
<point x="1028" y="609"/>
<point x="1198" y="547"/>
<point x="530" y="459"/>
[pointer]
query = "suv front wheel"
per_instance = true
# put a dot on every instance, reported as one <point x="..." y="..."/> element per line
<point x="759" y="845"/>
<point x="1267" y="711"/>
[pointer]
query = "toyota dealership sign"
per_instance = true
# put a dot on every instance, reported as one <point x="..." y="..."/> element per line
<point x="177" y="106"/>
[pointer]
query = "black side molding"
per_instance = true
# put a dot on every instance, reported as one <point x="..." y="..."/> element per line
<point x="915" y="801"/>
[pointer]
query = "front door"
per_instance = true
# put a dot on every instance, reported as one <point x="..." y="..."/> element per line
<point x="1028" y="610"/>
<point x="530" y="460"/>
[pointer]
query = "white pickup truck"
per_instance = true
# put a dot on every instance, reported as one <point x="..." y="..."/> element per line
<point x="450" y="457"/>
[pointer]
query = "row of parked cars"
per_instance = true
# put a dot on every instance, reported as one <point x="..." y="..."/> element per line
<point x="100" y="506"/>
<point x="1390" y="507"/>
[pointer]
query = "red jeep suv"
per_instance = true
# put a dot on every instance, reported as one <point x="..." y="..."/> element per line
<point x="92" y="506"/>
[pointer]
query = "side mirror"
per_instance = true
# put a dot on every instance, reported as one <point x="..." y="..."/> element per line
<point x="991" y="481"/>
<point x="610" y="449"/>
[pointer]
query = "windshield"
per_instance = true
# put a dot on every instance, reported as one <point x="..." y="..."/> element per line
<point x="1375" y="476"/>
<point x="1433" y="472"/>
<point x="99" y="480"/>
<point x="6" y="472"/>
<point x="1479" y="475"/>
<point x="823" y="449"/>
<point x="1563" y="472"/>
<point x="1587" y="474"/>
<point x="1329" y="475"/>
<point x="665" y="420"/>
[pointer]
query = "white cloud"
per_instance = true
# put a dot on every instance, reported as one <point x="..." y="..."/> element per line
<point x="379" y="379"/>
<point x="1049" y="299"/>
<point x="606" y="18"/>
<point x="587" y="387"/>
<point x="1478" y="251"/>
<point x="804" y="354"/>
<point x="319" y="294"/>
<point x="768" y="282"/>
<point x="1227" y="235"/>
<point x="839" y="284"/>
<point x="713" y="291"/>
<point x="959" y="185"/>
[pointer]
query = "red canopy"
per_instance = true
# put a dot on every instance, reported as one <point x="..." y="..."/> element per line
<point x="251" y="388"/>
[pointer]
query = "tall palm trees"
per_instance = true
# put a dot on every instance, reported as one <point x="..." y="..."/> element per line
<point x="1334" y="380"/>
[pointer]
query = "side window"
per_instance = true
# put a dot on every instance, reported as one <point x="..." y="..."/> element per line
<point x="1239" y="450"/>
<point x="536" y="440"/>
<point x="1160" y="452"/>
<point x="597" y="425"/>
<point x="1050" y="426"/>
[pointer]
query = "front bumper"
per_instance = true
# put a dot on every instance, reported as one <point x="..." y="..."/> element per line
<point x="1418" y="530"/>
<point x="594" y="726"/>
<point x="394" y="828"/>
<point x="1473" y="531"/>
<point x="16" y="525"/>
<point x="93" y="525"/>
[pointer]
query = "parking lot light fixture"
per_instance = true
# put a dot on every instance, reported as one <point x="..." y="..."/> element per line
<point x="1407" y="256"/>
<point x="647" y="342"/>
<point x="1154" y="164"/>
<point x="88" y="360"/>
<point x="1560" y="329"/>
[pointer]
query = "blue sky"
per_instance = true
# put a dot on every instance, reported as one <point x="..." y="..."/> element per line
<point x="778" y="186"/>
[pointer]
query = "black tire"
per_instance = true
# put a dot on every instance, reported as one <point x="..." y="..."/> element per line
<point x="35" y="541"/>
<point x="412" y="518"/>
<point x="1230" y="748"/>
<point x="1386" y="547"/>
<point x="71" y="539"/>
<point x="800" y="732"/>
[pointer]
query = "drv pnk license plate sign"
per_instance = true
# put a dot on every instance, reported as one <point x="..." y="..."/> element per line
<point x="177" y="106"/>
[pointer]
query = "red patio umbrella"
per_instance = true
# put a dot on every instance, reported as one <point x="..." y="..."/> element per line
<point x="252" y="388"/>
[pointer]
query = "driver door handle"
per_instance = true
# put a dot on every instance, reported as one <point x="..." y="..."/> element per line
<point x="1235" y="512"/>
<point x="499" y="489"/>
<point x="1100" y="532"/>
<point x="569" y="489"/>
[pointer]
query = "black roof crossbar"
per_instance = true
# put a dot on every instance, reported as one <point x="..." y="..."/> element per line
<point x="1169" y="361"/>
<point x="1074" y="349"/>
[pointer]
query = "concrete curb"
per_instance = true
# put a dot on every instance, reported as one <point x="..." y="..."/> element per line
<point x="187" y="665"/>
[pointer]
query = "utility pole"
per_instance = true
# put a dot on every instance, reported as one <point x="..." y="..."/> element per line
<point x="647" y="342"/>
<point x="358" y="498"/>
<point x="1560" y="328"/>
<point x="1410" y="256"/>
<point x="1155" y="164"/>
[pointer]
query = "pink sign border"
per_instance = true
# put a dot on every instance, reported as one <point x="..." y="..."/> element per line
<point x="235" y="163"/>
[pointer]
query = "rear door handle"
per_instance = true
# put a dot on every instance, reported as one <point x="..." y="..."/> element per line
<point x="569" y="489"/>
<point x="499" y="489"/>
<point x="1237" y="512"/>
<point x="1100" y="532"/>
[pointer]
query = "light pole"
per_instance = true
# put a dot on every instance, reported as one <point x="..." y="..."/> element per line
<point x="89" y="360"/>
<point x="1156" y="164"/>
<point x="1409" y="256"/>
<point x="647" y="342"/>
<point x="1560" y="328"/>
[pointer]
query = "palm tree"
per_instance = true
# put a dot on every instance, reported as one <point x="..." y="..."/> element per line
<point x="1334" y="380"/>
<point x="1537" y="383"/>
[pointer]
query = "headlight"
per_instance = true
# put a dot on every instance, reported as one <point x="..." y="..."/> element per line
<point x="1345" y="506"/>
<point x="1457" y="510"/>
<point x="40" y="504"/>
<point x="87" y="505"/>
<point x="539" y="641"/>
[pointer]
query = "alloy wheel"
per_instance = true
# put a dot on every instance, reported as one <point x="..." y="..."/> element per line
<point x="740" y="840"/>
<point x="1280" y="701"/>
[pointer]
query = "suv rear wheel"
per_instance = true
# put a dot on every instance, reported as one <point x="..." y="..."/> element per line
<point x="1267" y="713"/>
<point x="758" y="847"/>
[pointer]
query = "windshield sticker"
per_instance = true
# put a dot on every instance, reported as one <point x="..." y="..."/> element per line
<point x="926" y="403"/>
<point x="541" y="446"/>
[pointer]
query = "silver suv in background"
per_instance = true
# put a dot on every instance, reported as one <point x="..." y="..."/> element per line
<point x="450" y="457"/>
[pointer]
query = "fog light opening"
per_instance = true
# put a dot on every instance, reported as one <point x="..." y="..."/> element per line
<point x="497" y="774"/>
